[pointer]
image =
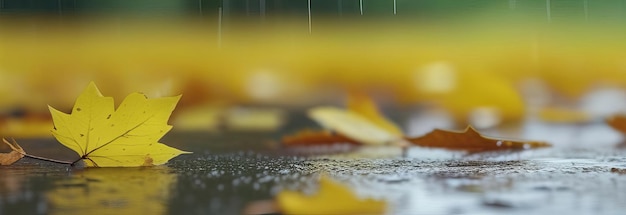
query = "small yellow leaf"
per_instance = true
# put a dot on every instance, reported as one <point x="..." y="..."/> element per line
<point x="199" y="118"/>
<point x="471" y="141"/>
<point x="363" y="105"/>
<point x="128" y="136"/>
<point x="352" y="125"/>
<point x="462" y="90"/>
<point x="482" y="89"/>
<point x="332" y="198"/>
<point x="15" y="155"/>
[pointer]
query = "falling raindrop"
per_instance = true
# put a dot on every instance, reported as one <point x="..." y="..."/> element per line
<point x="309" y="7"/>
<point x="262" y="9"/>
<point x="361" y="6"/>
<point x="586" y="8"/>
<point x="219" y="27"/>
<point x="200" y="6"/>
<point x="548" y="11"/>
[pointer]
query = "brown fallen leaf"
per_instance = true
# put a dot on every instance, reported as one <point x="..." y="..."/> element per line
<point x="312" y="137"/>
<point x="15" y="155"/>
<point x="471" y="141"/>
<point x="363" y="123"/>
<point x="618" y="122"/>
<point x="618" y="171"/>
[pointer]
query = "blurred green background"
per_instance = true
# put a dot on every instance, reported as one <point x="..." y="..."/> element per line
<point x="559" y="9"/>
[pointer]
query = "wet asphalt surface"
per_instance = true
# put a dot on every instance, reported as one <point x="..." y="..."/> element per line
<point x="228" y="171"/>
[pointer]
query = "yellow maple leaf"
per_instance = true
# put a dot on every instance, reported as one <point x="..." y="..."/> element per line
<point x="126" y="137"/>
<point x="332" y="198"/>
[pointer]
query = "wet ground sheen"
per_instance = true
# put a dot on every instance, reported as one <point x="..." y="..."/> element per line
<point x="220" y="178"/>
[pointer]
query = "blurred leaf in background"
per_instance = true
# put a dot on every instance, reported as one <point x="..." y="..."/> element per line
<point x="472" y="141"/>
<point x="330" y="198"/>
<point x="466" y="57"/>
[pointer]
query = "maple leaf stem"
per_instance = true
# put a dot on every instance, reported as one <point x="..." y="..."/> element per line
<point x="79" y="159"/>
<point x="48" y="159"/>
<point x="72" y="164"/>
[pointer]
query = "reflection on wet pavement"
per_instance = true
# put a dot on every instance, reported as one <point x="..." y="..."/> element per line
<point x="112" y="191"/>
<point x="573" y="177"/>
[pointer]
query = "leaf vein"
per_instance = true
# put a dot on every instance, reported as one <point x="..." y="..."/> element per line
<point x="119" y="136"/>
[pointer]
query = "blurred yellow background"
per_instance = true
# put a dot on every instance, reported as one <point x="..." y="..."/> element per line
<point x="496" y="60"/>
